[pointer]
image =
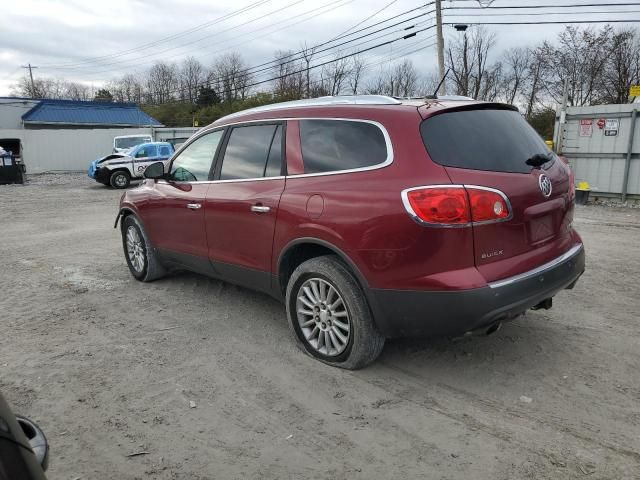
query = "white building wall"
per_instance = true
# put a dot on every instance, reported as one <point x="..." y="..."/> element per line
<point x="11" y="111"/>
<point x="66" y="150"/>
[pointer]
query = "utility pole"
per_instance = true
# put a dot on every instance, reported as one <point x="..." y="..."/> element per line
<point x="562" y="117"/>
<point x="33" y="86"/>
<point x="443" y="87"/>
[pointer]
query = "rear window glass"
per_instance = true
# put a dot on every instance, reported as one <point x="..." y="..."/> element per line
<point x="333" y="145"/>
<point x="494" y="140"/>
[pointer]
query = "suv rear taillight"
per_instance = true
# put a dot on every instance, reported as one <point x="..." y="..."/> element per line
<point x="456" y="205"/>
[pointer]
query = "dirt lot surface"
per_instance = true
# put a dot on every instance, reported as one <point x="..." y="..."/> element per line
<point x="108" y="367"/>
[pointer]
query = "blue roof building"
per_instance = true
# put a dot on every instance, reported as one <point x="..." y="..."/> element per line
<point x="79" y="114"/>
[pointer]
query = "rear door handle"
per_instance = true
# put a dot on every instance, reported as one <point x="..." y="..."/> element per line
<point x="260" y="208"/>
<point x="194" y="206"/>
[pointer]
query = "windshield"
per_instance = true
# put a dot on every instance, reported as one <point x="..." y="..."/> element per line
<point x="484" y="139"/>
<point x="130" y="142"/>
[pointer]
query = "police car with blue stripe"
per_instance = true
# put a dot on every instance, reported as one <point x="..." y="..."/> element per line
<point x="118" y="169"/>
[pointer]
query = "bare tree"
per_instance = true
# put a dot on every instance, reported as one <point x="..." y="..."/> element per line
<point x="127" y="88"/>
<point x="77" y="91"/>
<point x="162" y="82"/>
<point x="581" y="57"/>
<point x="45" y="87"/>
<point x="515" y="63"/>
<point x="358" y="68"/>
<point x="377" y="84"/>
<point x="535" y="77"/>
<point x="622" y="68"/>
<point x="401" y="81"/>
<point x="467" y="59"/>
<point x="191" y="77"/>
<point x="231" y="77"/>
<point x="405" y="78"/>
<point x="428" y="84"/>
<point x="335" y="74"/>
<point x="289" y="75"/>
<point x="307" y="56"/>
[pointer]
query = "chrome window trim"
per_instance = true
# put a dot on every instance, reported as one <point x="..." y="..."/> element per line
<point x="572" y="252"/>
<point x="387" y="139"/>
<point x="320" y="102"/>
<point x="407" y="205"/>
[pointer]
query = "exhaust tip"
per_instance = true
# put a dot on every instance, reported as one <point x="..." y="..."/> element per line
<point x="546" y="304"/>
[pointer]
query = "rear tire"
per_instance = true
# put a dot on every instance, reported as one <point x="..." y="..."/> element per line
<point x="324" y="299"/>
<point x="120" y="179"/>
<point x="142" y="259"/>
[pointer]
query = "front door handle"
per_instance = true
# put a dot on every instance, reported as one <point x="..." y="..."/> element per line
<point x="194" y="206"/>
<point x="260" y="208"/>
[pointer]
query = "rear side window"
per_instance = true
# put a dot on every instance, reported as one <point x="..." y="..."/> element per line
<point x="248" y="153"/>
<point x="334" y="145"/>
<point x="164" y="151"/>
<point x="493" y="140"/>
<point x="148" y="151"/>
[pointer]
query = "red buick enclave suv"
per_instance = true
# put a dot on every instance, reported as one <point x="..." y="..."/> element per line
<point x="371" y="217"/>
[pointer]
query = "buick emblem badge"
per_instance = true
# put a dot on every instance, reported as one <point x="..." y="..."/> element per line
<point x="545" y="185"/>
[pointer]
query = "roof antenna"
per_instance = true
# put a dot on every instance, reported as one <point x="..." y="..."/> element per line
<point x="435" y="94"/>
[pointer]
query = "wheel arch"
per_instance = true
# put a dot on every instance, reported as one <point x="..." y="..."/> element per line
<point x="120" y="169"/>
<point x="303" y="249"/>
<point x="125" y="212"/>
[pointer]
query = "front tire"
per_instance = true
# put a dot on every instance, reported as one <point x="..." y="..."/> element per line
<point x="329" y="315"/>
<point x="120" y="179"/>
<point x="142" y="259"/>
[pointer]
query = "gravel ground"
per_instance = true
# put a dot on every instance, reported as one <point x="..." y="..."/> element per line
<point x="109" y="368"/>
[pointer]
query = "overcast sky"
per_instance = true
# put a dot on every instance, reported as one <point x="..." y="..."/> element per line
<point x="66" y="38"/>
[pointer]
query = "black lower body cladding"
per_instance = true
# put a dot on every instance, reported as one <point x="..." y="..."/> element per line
<point x="408" y="313"/>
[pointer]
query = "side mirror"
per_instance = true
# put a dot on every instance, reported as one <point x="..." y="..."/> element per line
<point x="154" y="171"/>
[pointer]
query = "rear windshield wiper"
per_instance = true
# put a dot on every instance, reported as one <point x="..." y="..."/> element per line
<point x="539" y="159"/>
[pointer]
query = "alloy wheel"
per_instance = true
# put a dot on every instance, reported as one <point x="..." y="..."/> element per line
<point x="135" y="249"/>
<point x="323" y="317"/>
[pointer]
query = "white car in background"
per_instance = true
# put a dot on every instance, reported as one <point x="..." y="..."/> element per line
<point x="124" y="143"/>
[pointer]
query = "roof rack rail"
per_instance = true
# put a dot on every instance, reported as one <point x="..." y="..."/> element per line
<point x="436" y="97"/>
<point x="321" y="101"/>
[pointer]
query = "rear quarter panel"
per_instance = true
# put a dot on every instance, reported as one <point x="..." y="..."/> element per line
<point x="362" y="213"/>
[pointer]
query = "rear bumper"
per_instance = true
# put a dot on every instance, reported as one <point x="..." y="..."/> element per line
<point x="406" y="313"/>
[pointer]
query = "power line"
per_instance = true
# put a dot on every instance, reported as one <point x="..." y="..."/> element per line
<point x="324" y="9"/>
<point x="300" y="54"/>
<point x="537" y="13"/>
<point x="278" y="77"/>
<point x="281" y="60"/>
<point x="117" y="62"/>
<point x="369" y="17"/>
<point x="316" y="46"/>
<point x="549" y="22"/>
<point x="575" y="5"/>
<point x="170" y="37"/>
